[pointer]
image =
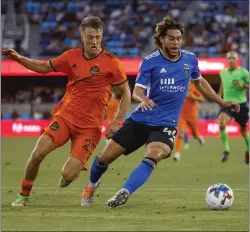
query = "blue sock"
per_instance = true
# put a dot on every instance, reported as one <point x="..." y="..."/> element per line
<point x="140" y="175"/>
<point x="97" y="170"/>
<point x="185" y="138"/>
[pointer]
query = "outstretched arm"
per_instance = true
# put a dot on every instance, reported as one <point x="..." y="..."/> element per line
<point x="203" y="86"/>
<point x="34" y="65"/>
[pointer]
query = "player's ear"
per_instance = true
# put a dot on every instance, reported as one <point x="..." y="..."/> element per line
<point x="161" y="39"/>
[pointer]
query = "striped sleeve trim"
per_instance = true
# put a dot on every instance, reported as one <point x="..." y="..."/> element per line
<point x="120" y="83"/>
<point x="52" y="66"/>
<point x="142" y="86"/>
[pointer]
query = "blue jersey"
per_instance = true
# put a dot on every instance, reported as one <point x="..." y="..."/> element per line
<point x="166" y="83"/>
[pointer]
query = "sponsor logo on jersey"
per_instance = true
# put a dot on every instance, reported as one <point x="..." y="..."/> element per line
<point x="186" y="69"/>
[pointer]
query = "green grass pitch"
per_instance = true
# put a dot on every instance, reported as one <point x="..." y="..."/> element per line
<point x="173" y="199"/>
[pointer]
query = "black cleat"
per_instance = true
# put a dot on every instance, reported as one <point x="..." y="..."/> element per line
<point x="119" y="198"/>
<point x="225" y="156"/>
<point x="247" y="157"/>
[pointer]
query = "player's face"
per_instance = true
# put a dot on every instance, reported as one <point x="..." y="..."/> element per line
<point x="171" y="42"/>
<point x="92" y="40"/>
<point x="232" y="58"/>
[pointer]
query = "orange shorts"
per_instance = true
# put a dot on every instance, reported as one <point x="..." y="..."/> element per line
<point x="83" y="140"/>
<point x="191" y="122"/>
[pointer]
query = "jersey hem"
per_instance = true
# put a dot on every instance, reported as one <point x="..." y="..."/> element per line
<point x="142" y="86"/>
<point x="148" y="124"/>
<point x="119" y="83"/>
<point x="76" y="124"/>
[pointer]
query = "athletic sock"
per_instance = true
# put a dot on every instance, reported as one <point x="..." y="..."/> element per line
<point x="26" y="187"/>
<point x="246" y="139"/>
<point x="224" y="139"/>
<point x="140" y="175"/>
<point x="96" y="172"/>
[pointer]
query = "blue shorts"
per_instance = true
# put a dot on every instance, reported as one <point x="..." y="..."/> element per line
<point x="242" y="117"/>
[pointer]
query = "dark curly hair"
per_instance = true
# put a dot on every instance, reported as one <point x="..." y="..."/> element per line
<point x="162" y="28"/>
<point x="93" y="22"/>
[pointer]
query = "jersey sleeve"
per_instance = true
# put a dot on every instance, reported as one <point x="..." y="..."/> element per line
<point x="144" y="75"/>
<point x="196" y="71"/>
<point x="118" y="73"/>
<point x="60" y="63"/>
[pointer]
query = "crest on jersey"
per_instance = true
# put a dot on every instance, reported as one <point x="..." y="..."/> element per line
<point x="54" y="126"/>
<point x="186" y="69"/>
<point x="95" y="69"/>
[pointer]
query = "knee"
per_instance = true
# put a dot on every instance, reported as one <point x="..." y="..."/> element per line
<point x="105" y="159"/>
<point x="158" y="153"/>
<point x="222" y="126"/>
<point x="243" y="130"/>
<point x="67" y="177"/>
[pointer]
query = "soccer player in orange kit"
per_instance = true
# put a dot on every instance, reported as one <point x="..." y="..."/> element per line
<point x="79" y="115"/>
<point x="188" y="118"/>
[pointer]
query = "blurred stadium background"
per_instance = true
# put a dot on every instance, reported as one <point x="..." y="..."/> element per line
<point x="175" y="194"/>
<point x="44" y="29"/>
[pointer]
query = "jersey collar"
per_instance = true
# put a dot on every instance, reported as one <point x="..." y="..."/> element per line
<point x="173" y="61"/>
<point x="92" y="57"/>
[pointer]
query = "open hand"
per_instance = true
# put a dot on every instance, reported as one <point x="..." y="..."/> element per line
<point x="147" y="104"/>
<point x="11" y="54"/>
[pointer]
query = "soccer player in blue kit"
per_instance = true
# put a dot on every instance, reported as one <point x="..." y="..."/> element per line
<point x="161" y="87"/>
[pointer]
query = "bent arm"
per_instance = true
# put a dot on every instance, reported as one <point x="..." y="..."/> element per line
<point x="35" y="65"/>
<point x="202" y="85"/>
<point x="138" y="94"/>
<point x="124" y="91"/>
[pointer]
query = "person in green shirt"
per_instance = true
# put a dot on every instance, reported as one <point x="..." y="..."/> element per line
<point x="234" y="87"/>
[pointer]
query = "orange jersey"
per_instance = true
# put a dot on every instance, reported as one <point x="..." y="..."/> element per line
<point x="190" y="107"/>
<point x="89" y="86"/>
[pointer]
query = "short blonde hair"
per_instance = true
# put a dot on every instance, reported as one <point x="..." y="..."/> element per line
<point x="92" y="22"/>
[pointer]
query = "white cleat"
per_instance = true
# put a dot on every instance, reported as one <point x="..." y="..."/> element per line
<point x="201" y="140"/>
<point x="176" y="157"/>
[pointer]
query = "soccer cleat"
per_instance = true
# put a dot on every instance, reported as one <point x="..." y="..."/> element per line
<point x="176" y="156"/>
<point x="186" y="146"/>
<point x="247" y="157"/>
<point x="119" y="198"/>
<point x="88" y="194"/>
<point x="225" y="156"/>
<point x="201" y="140"/>
<point x="20" y="201"/>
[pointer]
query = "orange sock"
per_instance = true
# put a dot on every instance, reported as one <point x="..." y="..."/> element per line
<point x="26" y="187"/>
<point x="179" y="144"/>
